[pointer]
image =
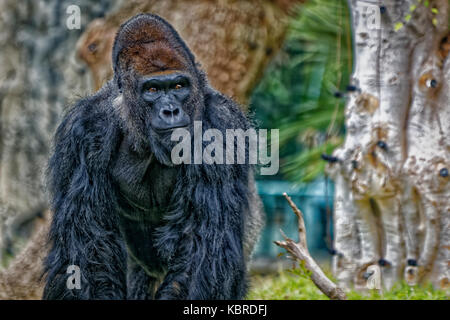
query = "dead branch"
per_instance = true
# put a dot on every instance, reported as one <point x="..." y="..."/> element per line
<point x="300" y="252"/>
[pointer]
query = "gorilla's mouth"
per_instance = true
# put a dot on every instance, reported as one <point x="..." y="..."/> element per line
<point x="170" y="129"/>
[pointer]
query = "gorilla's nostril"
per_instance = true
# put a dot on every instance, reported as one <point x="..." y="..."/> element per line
<point x="169" y="113"/>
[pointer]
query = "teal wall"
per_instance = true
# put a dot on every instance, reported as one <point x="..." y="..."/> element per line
<point x="312" y="200"/>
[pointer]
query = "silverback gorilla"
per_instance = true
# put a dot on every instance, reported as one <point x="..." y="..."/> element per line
<point x="136" y="225"/>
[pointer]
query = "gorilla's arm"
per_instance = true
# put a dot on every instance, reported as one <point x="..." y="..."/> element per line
<point x="205" y="232"/>
<point x="84" y="231"/>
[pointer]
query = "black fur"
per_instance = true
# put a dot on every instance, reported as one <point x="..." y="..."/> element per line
<point x="137" y="226"/>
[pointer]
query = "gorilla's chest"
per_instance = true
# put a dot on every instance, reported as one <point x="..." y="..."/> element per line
<point x="144" y="185"/>
<point x="144" y="188"/>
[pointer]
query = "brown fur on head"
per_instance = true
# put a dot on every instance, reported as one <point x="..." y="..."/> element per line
<point x="153" y="57"/>
<point x="147" y="44"/>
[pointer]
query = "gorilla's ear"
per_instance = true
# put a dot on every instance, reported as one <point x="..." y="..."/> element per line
<point x="222" y="111"/>
<point x="213" y="97"/>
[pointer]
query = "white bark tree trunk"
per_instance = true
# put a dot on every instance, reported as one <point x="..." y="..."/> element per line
<point x="392" y="201"/>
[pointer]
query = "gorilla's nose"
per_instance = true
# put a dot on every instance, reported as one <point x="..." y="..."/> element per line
<point x="171" y="115"/>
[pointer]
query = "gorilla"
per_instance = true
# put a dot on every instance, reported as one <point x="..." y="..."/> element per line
<point x="136" y="225"/>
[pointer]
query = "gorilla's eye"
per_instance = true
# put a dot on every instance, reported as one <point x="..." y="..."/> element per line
<point x="178" y="86"/>
<point x="152" y="89"/>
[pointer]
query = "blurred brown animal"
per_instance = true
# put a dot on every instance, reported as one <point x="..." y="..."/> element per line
<point x="233" y="40"/>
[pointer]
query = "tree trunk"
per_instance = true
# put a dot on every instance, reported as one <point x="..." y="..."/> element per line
<point x="392" y="200"/>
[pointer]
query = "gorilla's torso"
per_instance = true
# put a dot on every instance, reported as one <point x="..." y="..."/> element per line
<point x="144" y="189"/>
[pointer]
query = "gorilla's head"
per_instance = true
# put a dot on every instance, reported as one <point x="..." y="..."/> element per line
<point x="160" y="85"/>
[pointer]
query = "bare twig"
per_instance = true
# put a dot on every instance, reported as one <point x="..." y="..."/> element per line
<point x="300" y="252"/>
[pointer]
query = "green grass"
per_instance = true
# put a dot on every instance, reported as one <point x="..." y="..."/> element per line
<point x="288" y="285"/>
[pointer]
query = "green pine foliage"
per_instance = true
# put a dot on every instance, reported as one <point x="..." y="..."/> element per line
<point x="296" y="95"/>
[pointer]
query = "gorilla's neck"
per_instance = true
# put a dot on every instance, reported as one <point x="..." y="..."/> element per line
<point x="144" y="183"/>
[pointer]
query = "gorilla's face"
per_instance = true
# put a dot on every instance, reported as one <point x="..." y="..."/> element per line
<point x="155" y="104"/>
<point x="166" y="96"/>
<point x="159" y="82"/>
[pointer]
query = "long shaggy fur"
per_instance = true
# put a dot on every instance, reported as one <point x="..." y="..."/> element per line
<point x="136" y="226"/>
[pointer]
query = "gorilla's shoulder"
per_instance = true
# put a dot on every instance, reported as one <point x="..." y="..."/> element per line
<point x="223" y="112"/>
<point x="92" y="113"/>
<point x="89" y="125"/>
